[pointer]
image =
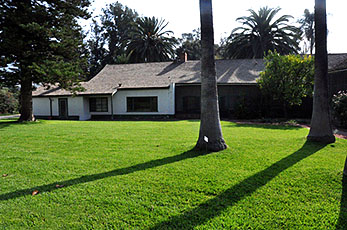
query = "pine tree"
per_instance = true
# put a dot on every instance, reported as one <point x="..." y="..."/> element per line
<point x="41" y="43"/>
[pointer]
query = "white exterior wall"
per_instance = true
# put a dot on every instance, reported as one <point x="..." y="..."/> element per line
<point x="76" y="106"/>
<point x="79" y="105"/>
<point x="166" y="100"/>
<point x="41" y="106"/>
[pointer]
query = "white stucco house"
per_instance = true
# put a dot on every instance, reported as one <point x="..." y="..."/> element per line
<point x="161" y="89"/>
<point x="142" y="89"/>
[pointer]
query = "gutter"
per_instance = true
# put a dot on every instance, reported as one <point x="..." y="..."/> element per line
<point x="337" y="71"/>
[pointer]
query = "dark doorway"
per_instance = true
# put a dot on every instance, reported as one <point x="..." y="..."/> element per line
<point x="63" y="109"/>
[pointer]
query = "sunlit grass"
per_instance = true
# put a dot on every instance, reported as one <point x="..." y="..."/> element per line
<point x="145" y="175"/>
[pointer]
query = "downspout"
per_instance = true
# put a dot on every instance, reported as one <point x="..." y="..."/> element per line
<point x="50" y="107"/>
<point x="112" y="117"/>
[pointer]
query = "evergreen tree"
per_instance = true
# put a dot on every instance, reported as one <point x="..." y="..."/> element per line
<point x="42" y="43"/>
<point x="97" y="50"/>
<point x="117" y="23"/>
<point x="190" y="43"/>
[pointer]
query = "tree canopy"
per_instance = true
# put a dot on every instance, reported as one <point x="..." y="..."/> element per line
<point x="42" y="43"/>
<point x="287" y="79"/>
<point x="150" y="42"/>
<point x="262" y="31"/>
<point x="307" y="27"/>
<point x="190" y="43"/>
<point x="118" y="22"/>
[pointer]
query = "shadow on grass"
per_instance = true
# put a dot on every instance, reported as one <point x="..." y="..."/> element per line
<point x="342" y="221"/>
<point x="8" y="122"/>
<point x="214" y="207"/>
<point x="14" y="121"/>
<point x="117" y="172"/>
<point x="267" y="126"/>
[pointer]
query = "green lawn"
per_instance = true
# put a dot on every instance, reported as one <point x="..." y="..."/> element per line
<point x="145" y="175"/>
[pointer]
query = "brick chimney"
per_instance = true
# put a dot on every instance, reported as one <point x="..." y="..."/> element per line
<point x="183" y="57"/>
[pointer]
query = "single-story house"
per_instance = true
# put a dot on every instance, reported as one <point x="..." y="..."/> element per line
<point x="155" y="89"/>
<point x="337" y="73"/>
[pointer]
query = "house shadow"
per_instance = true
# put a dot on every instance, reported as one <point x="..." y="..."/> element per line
<point x="342" y="221"/>
<point x="214" y="207"/>
<point x="88" y="178"/>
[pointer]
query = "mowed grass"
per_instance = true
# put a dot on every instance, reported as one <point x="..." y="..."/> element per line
<point x="145" y="175"/>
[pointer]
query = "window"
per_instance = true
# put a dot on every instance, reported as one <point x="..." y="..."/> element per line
<point x="191" y="104"/>
<point x="142" y="104"/>
<point x="98" y="104"/>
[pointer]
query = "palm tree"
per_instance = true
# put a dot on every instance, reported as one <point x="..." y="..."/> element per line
<point x="261" y="32"/>
<point x="210" y="136"/>
<point x="149" y="42"/>
<point x="321" y="129"/>
<point x="307" y="26"/>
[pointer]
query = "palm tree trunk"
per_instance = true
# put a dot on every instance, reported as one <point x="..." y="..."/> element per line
<point x="321" y="128"/>
<point x="210" y="135"/>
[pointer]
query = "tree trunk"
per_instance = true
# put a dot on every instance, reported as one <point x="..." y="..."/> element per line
<point x="210" y="135"/>
<point x="321" y="128"/>
<point x="26" y="111"/>
<point x="285" y="111"/>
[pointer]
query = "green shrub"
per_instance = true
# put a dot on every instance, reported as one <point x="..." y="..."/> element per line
<point x="340" y="107"/>
<point x="8" y="101"/>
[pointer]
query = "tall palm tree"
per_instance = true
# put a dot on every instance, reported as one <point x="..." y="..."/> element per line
<point x="261" y="32"/>
<point x="150" y="42"/>
<point x="321" y="128"/>
<point x="210" y="136"/>
<point x="307" y="26"/>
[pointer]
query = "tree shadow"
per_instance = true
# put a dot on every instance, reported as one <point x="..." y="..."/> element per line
<point x="117" y="172"/>
<point x="268" y="126"/>
<point x="342" y="221"/>
<point x="6" y="123"/>
<point x="214" y="207"/>
<point x="169" y="68"/>
<point x="12" y="122"/>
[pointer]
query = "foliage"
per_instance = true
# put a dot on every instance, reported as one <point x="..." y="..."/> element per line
<point x="107" y="43"/>
<point x="8" y="101"/>
<point x="42" y="43"/>
<point x="340" y="107"/>
<point x="246" y="108"/>
<point x="97" y="50"/>
<point x="260" y="32"/>
<point x="150" y="42"/>
<point x="190" y="44"/>
<point x="117" y="21"/>
<point x="307" y="27"/>
<point x="112" y="181"/>
<point x="40" y="38"/>
<point x="287" y="78"/>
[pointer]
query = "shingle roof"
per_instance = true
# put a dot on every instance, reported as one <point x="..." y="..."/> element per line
<point x="337" y="62"/>
<point x="162" y="74"/>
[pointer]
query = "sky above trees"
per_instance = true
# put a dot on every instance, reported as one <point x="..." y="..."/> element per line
<point x="183" y="15"/>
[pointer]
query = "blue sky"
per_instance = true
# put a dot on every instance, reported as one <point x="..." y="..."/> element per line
<point x="183" y="15"/>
